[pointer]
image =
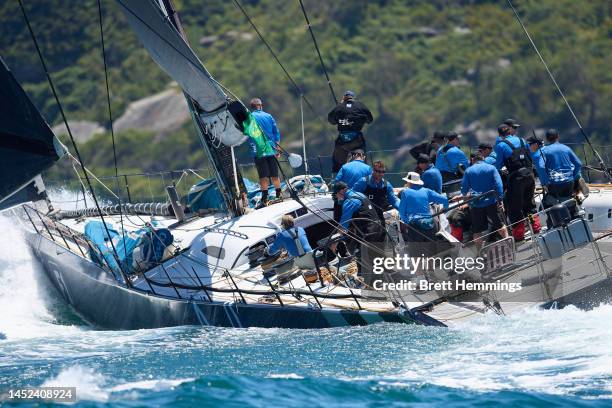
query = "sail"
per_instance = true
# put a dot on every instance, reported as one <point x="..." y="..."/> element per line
<point x="27" y="144"/>
<point x="169" y="50"/>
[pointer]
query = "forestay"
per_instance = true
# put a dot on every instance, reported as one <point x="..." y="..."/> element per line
<point x="150" y="22"/>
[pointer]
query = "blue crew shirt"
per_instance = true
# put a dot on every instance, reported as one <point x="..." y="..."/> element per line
<point x="450" y="161"/>
<point x="352" y="202"/>
<point x="285" y="240"/>
<point x="491" y="158"/>
<point x="480" y="178"/>
<point x="414" y="203"/>
<point x="352" y="171"/>
<point x="538" y="163"/>
<point x="432" y="179"/>
<point x="361" y="185"/>
<point x="559" y="164"/>
<point x="268" y="125"/>
<point x="503" y="151"/>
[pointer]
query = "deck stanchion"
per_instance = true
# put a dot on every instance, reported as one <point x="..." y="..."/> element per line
<point x="313" y="295"/>
<point x="44" y="225"/>
<point x="236" y="286"/>
<point x="274" y="290"/>
<point x="61" y="235"/>
<point x="353" y="294"/>
<point x="170" y="280"/>
<point x="127" y="188"/>
<point x="25" y="209"/>
<point x="201" y="284"/>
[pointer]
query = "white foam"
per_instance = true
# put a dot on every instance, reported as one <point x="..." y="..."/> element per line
<point x="89" y="384"/>
<point x="155" y="385"/>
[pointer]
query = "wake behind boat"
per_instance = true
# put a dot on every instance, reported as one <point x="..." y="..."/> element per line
<point x="144" y="265"/>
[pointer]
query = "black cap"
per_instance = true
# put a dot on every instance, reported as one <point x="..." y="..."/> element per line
<point x="452" y="135"/>
<point x="438" y="135"/>
<point x="357" y="152"/>
<point x="476" y="156"/>
<point x="552" y="133"/>
<point x="423" y="158"/>
<point x="534" y="139"/>
<point x="485" y="146"/>
<point x="503" y="128"/>
<point x="339" y="186"/>
<point x="512" y="123"/>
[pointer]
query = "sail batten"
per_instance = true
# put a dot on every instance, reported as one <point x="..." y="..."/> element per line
<point x="27" y="143"/>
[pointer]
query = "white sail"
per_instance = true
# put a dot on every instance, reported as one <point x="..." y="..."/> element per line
<point x="170" y="51"/>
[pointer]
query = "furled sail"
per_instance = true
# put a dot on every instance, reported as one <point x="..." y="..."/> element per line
<point x="27" y="144"/>
<point x="169" y="50"/>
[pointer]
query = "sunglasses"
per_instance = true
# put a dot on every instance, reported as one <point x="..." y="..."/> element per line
<point x="379" y="171"/>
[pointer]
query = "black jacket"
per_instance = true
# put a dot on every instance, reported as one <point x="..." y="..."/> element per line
<point x="350" y="115"/>
<point x="424" y="148"/>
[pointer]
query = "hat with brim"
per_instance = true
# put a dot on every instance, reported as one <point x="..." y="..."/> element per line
<point x="512" y="123"/>
<point x="452" y="135"/>
<point x="413" y="178"/>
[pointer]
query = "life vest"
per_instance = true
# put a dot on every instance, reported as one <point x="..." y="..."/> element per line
<point x="520" y="160"/>
<point x="367" y="221"/>
<point x="296" y="238"/>
<point x="378" y="196"/>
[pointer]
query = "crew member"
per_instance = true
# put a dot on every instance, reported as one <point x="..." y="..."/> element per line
<point x="358" y="212"/>
<point x="355" y="169"/>
<point x="512" y="152"/>
<point x="378" y="190"/>
<point x="349" y="116"/>
<point x="479" y="179"/>
<point x="451" y="162"/>
<point x="415" y="212"/>
<point x="514" y="125"/>
<point x="486" y="150"/>
<point x="264" y="141"/>
<point x="429" y="148"/>
<point x="561" y="169"/>
<point x="293" y="239"/>
<point x="431" y="176"/>
<point x="535" y="146"/>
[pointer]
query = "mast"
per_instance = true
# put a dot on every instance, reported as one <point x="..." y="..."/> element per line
<point x="227" y="173"/>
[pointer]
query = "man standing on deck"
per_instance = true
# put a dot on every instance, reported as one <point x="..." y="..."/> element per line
<point x="560" y="167"/>
<point x="481" y="178"/>
<point x="378" y="190"/>
<point x="486" y="150"/>
<point x="429" y="148"/>
<point x="451" y="162"/>
<point x="512" y="152"/>
<point x="264" y="149"/>
<point x="349" y="116"/>
<point x="350" y="173"/>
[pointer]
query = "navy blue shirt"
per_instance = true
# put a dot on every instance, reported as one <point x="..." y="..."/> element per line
<point x="480" y="178"/>
<point x="432" y="179"/>
<point x="362" y="183"/>
<point x="285" y="240"/>
<point x="352" y="171"/>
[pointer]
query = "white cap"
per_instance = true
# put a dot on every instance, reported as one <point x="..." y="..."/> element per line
<point x="413" y="178"/>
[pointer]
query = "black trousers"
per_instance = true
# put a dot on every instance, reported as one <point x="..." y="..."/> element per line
<point x="520" y="197"/>
<point x="342" y="150"/>
<point x="558" y="193"/>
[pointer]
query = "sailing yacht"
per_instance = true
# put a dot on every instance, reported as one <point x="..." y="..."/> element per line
<point x="146" y="265"/>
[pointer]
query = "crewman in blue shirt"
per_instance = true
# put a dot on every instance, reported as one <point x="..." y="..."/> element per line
<point x="414" y="209"/>
<point x="486" y="150"/>
<point x="293" y="239"/>
<point x="354" y="170"/>
<point x="513" y="153"/>
<point x="535" y="146"/>
<point x="358" y="212"/>
<point x="431" y="176"/>
<point x="266" y="163"/>
<point x="481" y="178"/>
<point x="451" y="162"/>
<point x="561" y="169"/>
<point x="378" y="190"/>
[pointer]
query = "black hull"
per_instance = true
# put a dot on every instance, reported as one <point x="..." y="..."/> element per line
<point x="99" y="300"/>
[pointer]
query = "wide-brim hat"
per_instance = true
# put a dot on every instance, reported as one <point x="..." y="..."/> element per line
<point x="413" y="178"/>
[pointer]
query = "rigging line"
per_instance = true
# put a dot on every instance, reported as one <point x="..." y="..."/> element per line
<point x="608" y="171"/>
<point x="76" y="150"/>
<point x="110" y="118"/>
<point x="314" y="40"/>
<point x="261" y="37"/>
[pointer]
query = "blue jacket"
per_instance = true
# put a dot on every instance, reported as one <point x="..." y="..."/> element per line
<point x="538" y="163"/>
<point x="362" y="183"/>
<point x="352" y="202"/>
<point x="491" y="158"/>
<point x="414" y="203"/>
<point x="450" y="160"/>
<point x="480" y="178"/>
<point x="559" y="164"/>
<point x="352" y="171"/>
<point x="285" y="240"/>
<point x="503" y="151"/>
<point x="267" y="123"/>
<point x="432" y="179"/>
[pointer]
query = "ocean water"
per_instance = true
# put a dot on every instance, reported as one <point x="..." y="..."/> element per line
<point x="537" y="358"/>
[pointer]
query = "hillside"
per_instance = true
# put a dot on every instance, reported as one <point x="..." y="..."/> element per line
<point x="419" y="65"/>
